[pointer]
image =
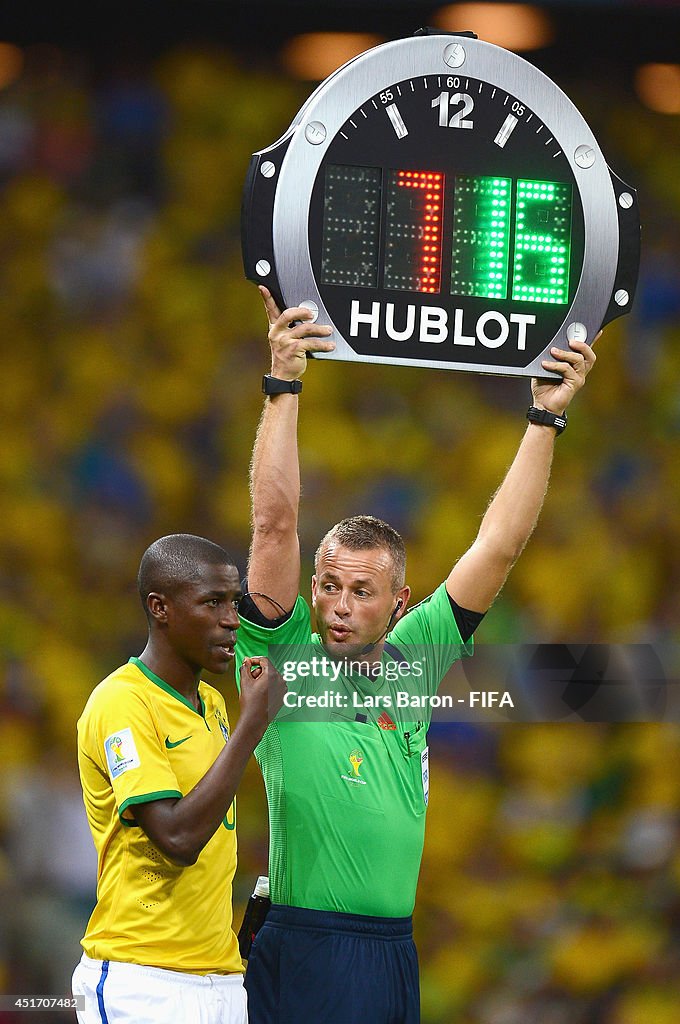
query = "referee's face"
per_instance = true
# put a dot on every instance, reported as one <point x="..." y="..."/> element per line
<point x="202" y="619"/>
<point x="353" y="597"/>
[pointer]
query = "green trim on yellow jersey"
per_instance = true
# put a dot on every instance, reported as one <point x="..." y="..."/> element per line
<point x="145" y="798"/>
<point x="167" y="687"/>
<point x="151" y="910"/>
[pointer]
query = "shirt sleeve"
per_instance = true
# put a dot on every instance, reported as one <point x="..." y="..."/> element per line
<point x="466" y="620"/>
<point x="429" y="634"/>
<point x="256" y="640"/>
<point x="129" y="749"/>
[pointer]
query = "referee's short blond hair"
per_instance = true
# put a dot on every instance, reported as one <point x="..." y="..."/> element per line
<point x="363" y="533"/>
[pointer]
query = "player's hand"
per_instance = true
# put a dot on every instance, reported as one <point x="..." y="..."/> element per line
<point x="574" y="365"/>
<point x="262" y="692"/>
<point x="291" y="336"/>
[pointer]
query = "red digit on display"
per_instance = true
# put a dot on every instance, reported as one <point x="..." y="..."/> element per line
<point x="427" y="205"/>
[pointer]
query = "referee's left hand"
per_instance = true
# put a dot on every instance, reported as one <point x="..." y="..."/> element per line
<point x="573" y="365"/>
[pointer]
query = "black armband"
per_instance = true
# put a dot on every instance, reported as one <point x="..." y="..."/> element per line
<point x="466" y="620"/>
<point x="249" y="611"/>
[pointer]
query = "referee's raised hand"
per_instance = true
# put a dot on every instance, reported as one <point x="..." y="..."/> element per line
<point x="292" y="334"/>
<point x="574" y="365"/>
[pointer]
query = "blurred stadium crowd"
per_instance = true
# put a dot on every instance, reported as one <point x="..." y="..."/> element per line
<point x="132" y="350"/>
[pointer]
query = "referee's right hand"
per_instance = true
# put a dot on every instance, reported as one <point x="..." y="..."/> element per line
<point x="292" y="334"/>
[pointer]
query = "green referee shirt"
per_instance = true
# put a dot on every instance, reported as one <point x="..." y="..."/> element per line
<point x="347" y="787"/>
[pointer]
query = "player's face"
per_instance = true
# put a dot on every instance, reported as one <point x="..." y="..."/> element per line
<point x="202" y="619"/>
<point x="353" y="597"/>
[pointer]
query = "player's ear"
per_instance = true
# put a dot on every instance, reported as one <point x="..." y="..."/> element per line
<point x="314" y="591"/>
<point x="157" y="607"/>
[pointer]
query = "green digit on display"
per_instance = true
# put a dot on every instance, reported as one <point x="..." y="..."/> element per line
<point x="542" y="245"/>
<point x="481" y="236"/>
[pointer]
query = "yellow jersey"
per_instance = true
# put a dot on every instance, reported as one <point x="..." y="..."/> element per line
<point x="140" y="740"/>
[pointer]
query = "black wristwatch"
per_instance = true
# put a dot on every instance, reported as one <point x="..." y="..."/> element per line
<point x="547" y="419"/>
<point x="276" y="386"/>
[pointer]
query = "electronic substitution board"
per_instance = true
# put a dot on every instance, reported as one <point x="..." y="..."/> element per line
<point x="441" y="202"/>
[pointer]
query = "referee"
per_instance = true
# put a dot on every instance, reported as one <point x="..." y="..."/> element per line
<point x="347" y="795"/>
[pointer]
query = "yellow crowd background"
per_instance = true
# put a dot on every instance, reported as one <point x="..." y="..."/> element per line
<point x="131" y="355"/>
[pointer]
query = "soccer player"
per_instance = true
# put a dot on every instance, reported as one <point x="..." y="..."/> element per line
<point x="347" y="796"/>
<point x="159" y="771"/>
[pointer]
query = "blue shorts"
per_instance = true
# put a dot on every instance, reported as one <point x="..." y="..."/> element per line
<point x="326" y="968"/>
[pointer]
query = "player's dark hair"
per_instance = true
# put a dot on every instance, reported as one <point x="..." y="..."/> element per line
<point x="173" y="561"/>
<point x="361" y="533"/>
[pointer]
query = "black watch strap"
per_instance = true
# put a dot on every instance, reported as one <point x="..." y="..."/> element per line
<point x="276" y="386"/>
<point x="547" y="419"/>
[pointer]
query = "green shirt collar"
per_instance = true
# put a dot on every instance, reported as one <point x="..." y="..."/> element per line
<point x="166" y="686"/>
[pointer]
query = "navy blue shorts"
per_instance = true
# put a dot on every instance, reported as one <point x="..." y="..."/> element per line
<point x="317" y="967"/>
